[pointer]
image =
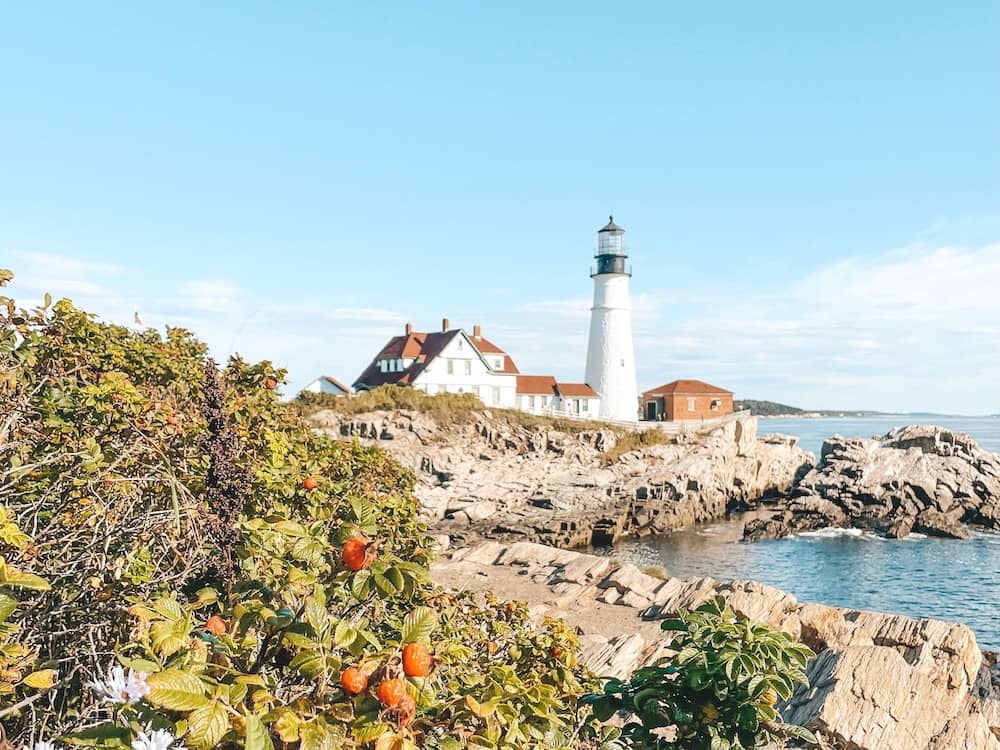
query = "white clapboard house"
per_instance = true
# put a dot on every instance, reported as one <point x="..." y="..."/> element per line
<point x="452" y="361"/>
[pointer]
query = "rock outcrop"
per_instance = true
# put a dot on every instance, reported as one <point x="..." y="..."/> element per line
<point x="495" y="476"/>
<point x="878" y="682"/>
<point x="923" y="479"/>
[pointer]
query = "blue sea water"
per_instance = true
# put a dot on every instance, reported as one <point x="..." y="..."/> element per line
<point x="812" y="432"/>
<point x="946" y="579"/>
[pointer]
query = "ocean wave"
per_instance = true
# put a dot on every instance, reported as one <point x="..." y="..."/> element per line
<point x="831" y="532"/>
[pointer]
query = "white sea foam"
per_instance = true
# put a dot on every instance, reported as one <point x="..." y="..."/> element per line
<point x="831" y="532"/>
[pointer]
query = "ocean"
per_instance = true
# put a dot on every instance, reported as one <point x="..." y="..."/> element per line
<point x="947" y="579"/>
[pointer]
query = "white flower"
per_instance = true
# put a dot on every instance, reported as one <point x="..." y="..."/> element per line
<point x="161" y="739"/>
<point x="121" y="688"/>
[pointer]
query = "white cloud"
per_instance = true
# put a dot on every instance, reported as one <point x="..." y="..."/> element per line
<point x="61" y="264"/>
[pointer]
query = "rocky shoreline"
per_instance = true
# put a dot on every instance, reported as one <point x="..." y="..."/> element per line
<point x="914" y="479"/>
<point x="507" y="498"/>
<point x="493" y="477"/>
<point x="879" y="681"/>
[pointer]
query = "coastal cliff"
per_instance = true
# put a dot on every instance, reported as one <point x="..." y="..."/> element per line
<point x="878" y="681"/>
<point x="496" y="476"/>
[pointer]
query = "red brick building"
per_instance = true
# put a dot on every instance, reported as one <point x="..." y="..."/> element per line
<point x="686" y="399"/>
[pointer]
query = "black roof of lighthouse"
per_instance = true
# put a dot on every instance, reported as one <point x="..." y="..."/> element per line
<point x="610" y="226"/>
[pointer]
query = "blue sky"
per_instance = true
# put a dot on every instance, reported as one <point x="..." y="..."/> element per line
<point x="811" y="191"/>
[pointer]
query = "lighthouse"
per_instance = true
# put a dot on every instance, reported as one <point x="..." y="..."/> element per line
<point x="610" y="360"/>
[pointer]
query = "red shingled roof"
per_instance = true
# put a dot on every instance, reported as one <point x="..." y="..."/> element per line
<point x="334" y="381"/>
<point x="423" y="347"/>
<point x="576" y="389"/>
<point x="694" y="387"/>
<point x="532" y="385"/>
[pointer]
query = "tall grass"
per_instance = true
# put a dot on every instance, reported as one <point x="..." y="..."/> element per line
<point x="463" y="408"/>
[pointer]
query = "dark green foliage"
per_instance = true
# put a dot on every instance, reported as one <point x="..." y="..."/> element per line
<point x="718" y="691"/>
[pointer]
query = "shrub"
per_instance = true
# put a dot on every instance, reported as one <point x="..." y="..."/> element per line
<point x="444" y="408"/>
<point x="718" y="691"/>
<point x="198" y="591"/>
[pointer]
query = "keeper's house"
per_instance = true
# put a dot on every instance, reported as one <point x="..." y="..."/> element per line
<point x="686" y="399"/>
<point x="452" y="361"/>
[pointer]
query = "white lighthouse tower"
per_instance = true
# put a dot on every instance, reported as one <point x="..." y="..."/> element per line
<point x="610" y="360"/>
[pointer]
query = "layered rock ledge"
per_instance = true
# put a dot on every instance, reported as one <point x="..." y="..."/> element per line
<point x="923" y="479"/>
<point x="878" y="682"/>
<point x="492" y="476"/>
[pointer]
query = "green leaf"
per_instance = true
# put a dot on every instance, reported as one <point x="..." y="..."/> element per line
<point x="756" y="686"/>
<point x="258" y="738"/>
<point x="104" y="736"/>
<point x="40" y="680"/>
<point x="139" y="665"/>
<point x="176" y="690"/>
<point x="418" y="625"/>
<point x="794" y="731"/>
<point x="673" y="624"/>
<point x="25" y="580"/>
<point x="207" y="726"/>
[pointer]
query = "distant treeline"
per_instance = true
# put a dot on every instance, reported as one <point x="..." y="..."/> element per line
<point x="766" y="408"/>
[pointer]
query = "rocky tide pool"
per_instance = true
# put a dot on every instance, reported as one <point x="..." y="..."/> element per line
<point x="947" y="579"/>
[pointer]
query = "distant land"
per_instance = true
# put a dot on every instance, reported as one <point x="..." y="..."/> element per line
<point x="775" y="409"/>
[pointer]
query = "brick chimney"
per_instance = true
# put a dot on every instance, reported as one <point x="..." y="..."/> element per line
<point x="445" y="325"/>
<point x="477" y="331"/>
<point x="409" y="328"/>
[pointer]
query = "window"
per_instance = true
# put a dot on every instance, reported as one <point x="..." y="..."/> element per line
<point x="715" y="404"/>
<point x="451" y="366"/>
<point x="691" y="404"/>
<point x="531" y="402"/>
<point x="496" y="395"/>
<point x="498" y="364"/>
<point x="468" y="367"/>
<point x="586" y="404"/>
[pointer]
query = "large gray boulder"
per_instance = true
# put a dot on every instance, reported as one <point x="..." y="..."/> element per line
<point x="925" y="479"/>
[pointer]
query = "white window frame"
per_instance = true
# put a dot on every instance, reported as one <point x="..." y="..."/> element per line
<point x="692" y="403"/>
<point x="450" y="366"/>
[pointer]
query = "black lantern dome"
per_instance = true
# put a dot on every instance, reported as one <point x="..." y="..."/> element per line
<point x="611" y="254"/>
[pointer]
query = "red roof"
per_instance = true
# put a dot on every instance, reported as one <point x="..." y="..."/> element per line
<point x="536" y="385"/>
<point x="694" y="387"/>
<point x="334" y="381"/>
<point x="576" y="389"/>
<point x="422" y="348"/>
